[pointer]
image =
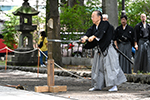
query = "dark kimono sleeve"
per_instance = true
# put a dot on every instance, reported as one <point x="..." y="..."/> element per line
<point x="104" y="27"/>
<point x="113" y="31"/>
<point x="89" y="32"/>
<point x="90" y="45"/>
<point x="149" y="31"/>
<point x="132" y="37"/>
<point x="115" y="34"/>
<point x="137" y="32"/>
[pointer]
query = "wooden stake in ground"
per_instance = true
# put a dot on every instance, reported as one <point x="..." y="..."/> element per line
<point x="6" y="58"/>
<point x="50" y="67"/>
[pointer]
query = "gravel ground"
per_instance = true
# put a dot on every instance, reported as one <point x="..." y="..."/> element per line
<point x="76" y="88"/>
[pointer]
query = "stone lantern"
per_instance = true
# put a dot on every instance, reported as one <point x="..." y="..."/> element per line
<point x="25" y="12"/>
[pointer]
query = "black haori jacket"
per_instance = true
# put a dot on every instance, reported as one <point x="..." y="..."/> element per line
<point x="126" y="35"/>
<point x="139" y="33"/>
<point x="104" y="33"/>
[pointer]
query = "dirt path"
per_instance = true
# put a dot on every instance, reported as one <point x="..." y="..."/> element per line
<point x="76" y="88"/>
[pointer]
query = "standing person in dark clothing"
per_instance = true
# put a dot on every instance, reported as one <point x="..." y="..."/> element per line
<point x="105" y="17"/>
<point x="124" y="40"/>
<point x="105" y="68"/>
<point x="142" y="37"/>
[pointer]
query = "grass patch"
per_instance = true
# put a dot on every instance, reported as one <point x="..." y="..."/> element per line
<point x="2" y="62"/>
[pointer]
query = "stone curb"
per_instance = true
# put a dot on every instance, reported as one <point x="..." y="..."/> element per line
<point x="44" y="71"/>
<point x="144" y="79"/>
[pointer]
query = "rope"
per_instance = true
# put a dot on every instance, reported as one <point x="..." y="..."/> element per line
<point x="3" y="49"/>
<point x="17" y="51"/>
<point x="43" y="53"/>
<point x="56" y="40"/>
<point x="21" y="52"/>
<point x="61" y="67"/>
<point x="68" y="71"/>
<point x="38" y="63"/>
<point x="38" y="59"/>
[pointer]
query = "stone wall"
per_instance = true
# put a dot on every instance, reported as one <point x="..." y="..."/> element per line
<point x="77" y="61"/>
<point x="139" y="78"/>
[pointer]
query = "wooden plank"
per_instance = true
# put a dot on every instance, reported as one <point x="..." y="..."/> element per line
<point x="41" y="89"/>
<point x="62" y="88"/>
<point x="50" y="73"/>
<point x="54" y="89"/>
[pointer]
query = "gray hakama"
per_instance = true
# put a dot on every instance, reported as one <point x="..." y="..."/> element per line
<point x="126" y="48"/>
<point x="142" y="57"/>
<point x="106" y="70"/>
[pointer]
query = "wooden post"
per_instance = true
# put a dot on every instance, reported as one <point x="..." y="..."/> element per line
<point x="51" y="27"/>
<point x="50" y="67"/>
<point x="50" y="73"/>
<point x="49" y="33"/>
<point x="38" y="63"/>
<point x="6" y="58"/>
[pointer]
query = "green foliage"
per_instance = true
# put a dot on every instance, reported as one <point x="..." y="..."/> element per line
<point x="134" y="10"/>
<point x="39" y="21"/>
<point x="9" y="30"/>
<point x="8" y="34"/>
<point x="76" y="19"/>
<point x="141" y="72"/>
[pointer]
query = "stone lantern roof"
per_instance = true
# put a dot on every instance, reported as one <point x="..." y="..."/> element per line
<point x="26" y="9"/>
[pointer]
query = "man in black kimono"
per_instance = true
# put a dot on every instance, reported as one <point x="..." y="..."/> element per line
<point x="124" y="40"/>
<point x="142" y="37"/>
<point x="105" y="68"/>
<point x="105" y="17"/>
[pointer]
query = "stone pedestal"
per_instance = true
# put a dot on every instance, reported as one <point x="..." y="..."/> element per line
<point x="25" y="59"/>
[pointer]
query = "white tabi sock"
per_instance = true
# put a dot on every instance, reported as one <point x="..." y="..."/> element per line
<point x="114" y="88"/>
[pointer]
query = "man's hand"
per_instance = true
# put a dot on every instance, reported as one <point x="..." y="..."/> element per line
<point x="136" y="47"/>
<point x="91" y="38"/>
<point x="83" y="39"/>
<point x="115" y="42"/>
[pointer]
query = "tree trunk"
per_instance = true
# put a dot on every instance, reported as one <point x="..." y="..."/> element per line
<point x="110" y="7"/>
<point x="71" y="3"/>
<point x="53" y="30"/>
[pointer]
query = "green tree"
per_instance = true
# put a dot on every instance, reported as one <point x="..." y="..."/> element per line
<point x="9" y="30"/>
<point x="77" y="18"/>
<point x="134" y="9"/>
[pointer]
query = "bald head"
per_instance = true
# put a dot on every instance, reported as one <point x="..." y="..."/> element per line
<point x="143" y="14"/>
<point x="143" y="17"/>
